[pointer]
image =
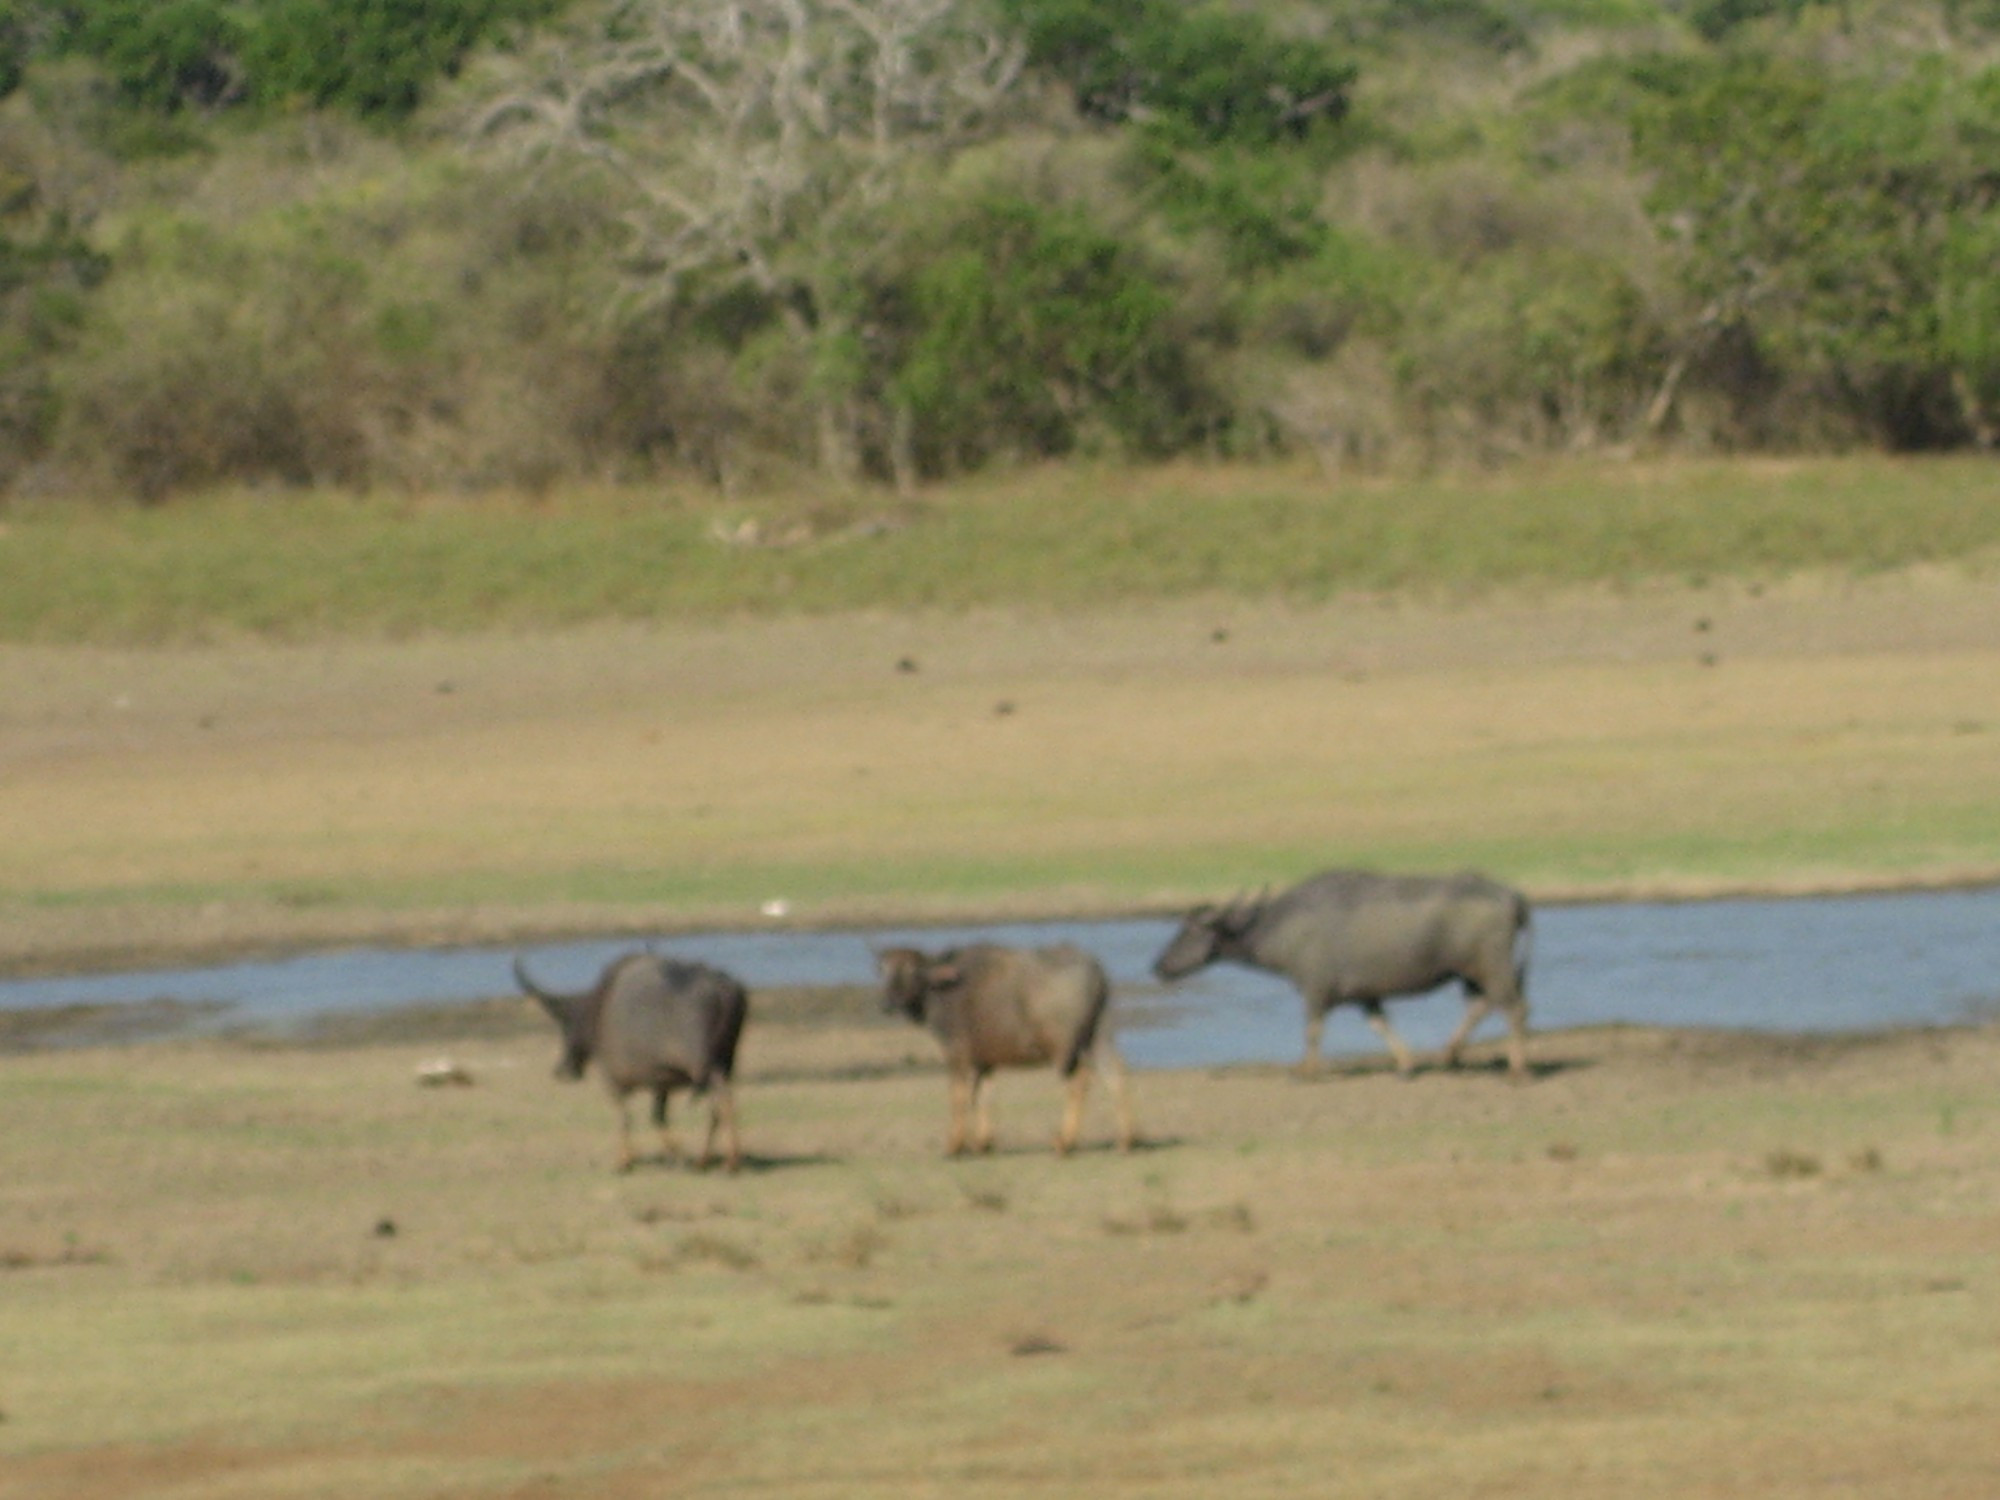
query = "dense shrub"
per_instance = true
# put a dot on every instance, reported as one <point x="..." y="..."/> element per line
<point x="374" y="57"/>
<point x="1212" y="73"/>
<point x="1032" y="331"/>
<point x="1828" y="215"/>
<point x="428" y="340"/>
<point x="1531" y="350"/>
<point x="45" y="278"/>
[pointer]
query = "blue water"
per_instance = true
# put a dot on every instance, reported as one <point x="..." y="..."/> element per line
<point x="1809" y="965"/>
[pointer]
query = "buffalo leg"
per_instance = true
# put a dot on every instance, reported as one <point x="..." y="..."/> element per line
<point x="1398" y="1049"/>
<point x="961" y="1108"/>
<point x="625" y="1154"/>
<point x="722" y="1115"/>
<point x="1113" y="1066"/>
<point x="1477" y="1009"/>
<point x="1312" y="1062"/>
<point x="670" y="1149"/>
<point x="1072" y="1116"/>
<point x="982" y="1107"/>
<point x="1517" y="1037"/>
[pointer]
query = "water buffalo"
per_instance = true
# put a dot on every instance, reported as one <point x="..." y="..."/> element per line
<point x="654" y="1023"/>
<point x="1348" y="937"/>
<point x="994" y="1007"/>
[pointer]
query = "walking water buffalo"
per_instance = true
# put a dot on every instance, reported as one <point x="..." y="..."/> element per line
<point x="994" y="1007"/>
<point x="654" y="1023"/>
<point x="1348" y="937"/>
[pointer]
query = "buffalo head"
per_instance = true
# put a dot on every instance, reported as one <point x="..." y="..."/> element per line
<point x="1206" y="934"/>
<point x="909" y="976"/>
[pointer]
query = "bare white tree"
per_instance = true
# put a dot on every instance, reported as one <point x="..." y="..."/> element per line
<point x="759" y="141"/>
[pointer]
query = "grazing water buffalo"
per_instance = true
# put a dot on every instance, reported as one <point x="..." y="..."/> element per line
<point x="1348" y="937"/>
<point x="995" y="1007"/>
<point x="654" y="1023"/>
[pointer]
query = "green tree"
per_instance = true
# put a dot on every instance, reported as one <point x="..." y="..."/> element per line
<point x="1814" y="211"/>
<point x="47" y="271"/>
<point x="374" y="57"/>
<point x="1030" y="330"/>
<point x="165" y="54"/>
<point x="1205" y="72"/>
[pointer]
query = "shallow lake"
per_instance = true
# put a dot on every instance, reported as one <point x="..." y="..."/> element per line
<point x="1800" y="965"/>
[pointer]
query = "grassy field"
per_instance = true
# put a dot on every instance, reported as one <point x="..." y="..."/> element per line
<point x="1673" y="1265"/>
<point x="301" y="567"/>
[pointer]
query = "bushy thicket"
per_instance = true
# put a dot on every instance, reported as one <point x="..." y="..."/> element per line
<point x="917" y="240"/>
<point x="374" y="57"/>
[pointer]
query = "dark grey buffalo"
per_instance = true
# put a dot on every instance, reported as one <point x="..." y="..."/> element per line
<point x="994" y="1007"/>
<point x="659" y="1024"/>
<point x="1349" y="937"/>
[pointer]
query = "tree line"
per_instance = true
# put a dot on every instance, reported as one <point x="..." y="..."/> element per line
<point x="477" y="244"/>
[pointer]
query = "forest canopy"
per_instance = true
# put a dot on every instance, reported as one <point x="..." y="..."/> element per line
<point x="511" y="244"/>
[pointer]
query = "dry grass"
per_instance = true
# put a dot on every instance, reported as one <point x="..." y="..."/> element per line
<point x="289" y="1273"/>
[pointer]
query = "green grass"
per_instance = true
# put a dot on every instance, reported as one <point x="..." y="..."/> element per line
<point x="303" y="566"/>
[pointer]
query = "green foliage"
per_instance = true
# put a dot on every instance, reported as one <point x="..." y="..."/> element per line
<point x="1818" y="212"/>
<point x="1029" y="329"/>
<point x="374" y="57"/>
<point x="1716" y="19"/>
<point x="1968" y="316"/>
<point x="351" y="344"/>
<point x="1781" y="238"/>
<point x="1201" y="72"/>
<point x="162" y="54"/>
<point x="1254" y="202"/>
<point x="15" y="45"/>
<point x="1536" y="348"/>
<point x="1312" y="306"/>
<point x="45" y="278"/>
<point x="1479" y="23"/>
